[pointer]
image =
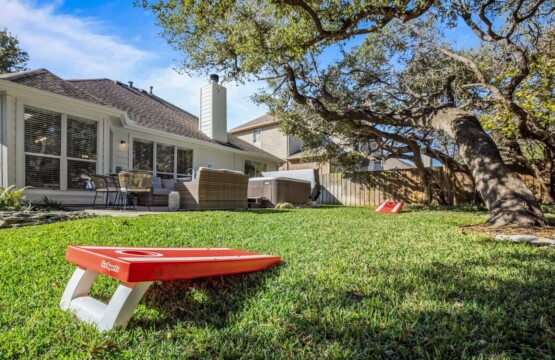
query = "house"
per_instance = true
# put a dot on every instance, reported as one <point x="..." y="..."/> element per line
<point x="54" y="131"/>
<point x="398" y="164"/>
<point x="264" y="133"/>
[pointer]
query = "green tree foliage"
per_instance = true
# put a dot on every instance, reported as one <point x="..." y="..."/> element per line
<point x="12" y="57"/>
<point x="362" y="71"/>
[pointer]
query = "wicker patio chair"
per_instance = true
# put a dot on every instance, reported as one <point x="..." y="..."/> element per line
<point x="135" y="182"/>
<point x="214" y="190"/>
<point x="105" y="185"/>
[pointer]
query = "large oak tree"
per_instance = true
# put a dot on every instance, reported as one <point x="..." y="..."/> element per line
<point x="12" y="57"/>
<point x="353" y="66"/>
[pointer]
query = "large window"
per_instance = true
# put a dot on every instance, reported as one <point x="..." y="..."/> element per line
<point x="81" y="151"/>
<point x="165" y="161"/>
<point x="143" y="155"/>
<point x="254" y="168"/>
<point x="43" y="148"/>
<point x="184" y="162"/>
<point x="49" y="154"/>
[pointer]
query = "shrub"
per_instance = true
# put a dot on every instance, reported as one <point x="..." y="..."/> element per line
<point x="12" y="198"/>
<point x="50" y="205"/>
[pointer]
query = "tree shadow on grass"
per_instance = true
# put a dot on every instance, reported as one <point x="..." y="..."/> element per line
<point x="204" y="301"/>
<point x="441" y="310"/>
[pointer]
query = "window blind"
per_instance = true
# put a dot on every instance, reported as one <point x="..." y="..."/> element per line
<point x="42" y="135"/>
<point x="42" y="131"/>
<point x="42" y="172"/>
<point x="81" y="138"/>
<point x="78" y="172"/>
<point x="81" y="151"/>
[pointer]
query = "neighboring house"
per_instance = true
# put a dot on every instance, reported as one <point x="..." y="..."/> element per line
<point x="265" y="133"/>
<point x="54" y="131"/>
<point x="397" y="164"/>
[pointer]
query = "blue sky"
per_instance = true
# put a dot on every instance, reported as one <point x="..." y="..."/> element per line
<point x="112" y="39"/>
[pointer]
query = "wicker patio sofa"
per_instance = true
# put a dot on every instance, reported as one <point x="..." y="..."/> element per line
<point x="214" y="189"/>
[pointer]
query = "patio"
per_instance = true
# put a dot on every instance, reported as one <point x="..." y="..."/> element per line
<point x="138" y="211"/>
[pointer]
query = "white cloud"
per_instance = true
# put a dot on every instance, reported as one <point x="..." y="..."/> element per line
<point x="80" y="47"/>
<point x="59" y="41"/>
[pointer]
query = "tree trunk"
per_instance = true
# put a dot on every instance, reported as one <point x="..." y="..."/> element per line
<point x="508" y="199"/>
<point x="424" y="176"/>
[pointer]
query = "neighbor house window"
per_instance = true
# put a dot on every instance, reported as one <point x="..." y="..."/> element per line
<point x="254" y="168"/>
<point x="256" y="135"/>
<point x="45" y="159"/>
<point x="167" y="162"/>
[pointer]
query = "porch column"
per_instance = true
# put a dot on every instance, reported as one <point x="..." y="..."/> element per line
<point x="7" y="139"/>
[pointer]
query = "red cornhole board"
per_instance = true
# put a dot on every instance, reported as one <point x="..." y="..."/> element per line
<point x="389" y="207"/>
<point x="138" y="268"/>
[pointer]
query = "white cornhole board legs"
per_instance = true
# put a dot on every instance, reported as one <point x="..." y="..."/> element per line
<point x="137" y="268"/>
<point x="115" y="314"/>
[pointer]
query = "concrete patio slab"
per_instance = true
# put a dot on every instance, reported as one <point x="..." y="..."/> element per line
<point x="138" y="211"/>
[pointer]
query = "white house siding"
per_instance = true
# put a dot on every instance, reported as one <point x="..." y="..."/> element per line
<point x="245" y="136"/>
<point x="272" y="140"/>
<point x="213" y="111"/>
<point x="121" y="155"/>
<point x="7" y="140"/>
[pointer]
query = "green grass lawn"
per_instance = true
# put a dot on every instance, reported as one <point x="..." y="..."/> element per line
<point x="352" y="284"/>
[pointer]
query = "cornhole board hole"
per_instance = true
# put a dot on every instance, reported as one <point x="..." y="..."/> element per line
<point x="389" y="207"/>
<point x="137" y="269"/>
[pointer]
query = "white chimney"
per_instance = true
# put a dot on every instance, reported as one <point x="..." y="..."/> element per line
<point x="213" y="110"/>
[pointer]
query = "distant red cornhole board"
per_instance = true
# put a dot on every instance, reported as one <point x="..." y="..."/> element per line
<point x="389" y="207"/>
<point x="138" y="268"/>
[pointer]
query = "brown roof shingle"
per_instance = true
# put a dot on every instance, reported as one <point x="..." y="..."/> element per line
<point x="43" y="79"/>
<point x="263" y="120"/>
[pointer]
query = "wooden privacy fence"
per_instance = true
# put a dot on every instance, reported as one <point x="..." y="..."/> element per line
<point x="371" y="188"/>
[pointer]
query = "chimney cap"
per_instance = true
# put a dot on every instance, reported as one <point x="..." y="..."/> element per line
<point x="130" y="83"/>
<point x="215" y="78"/>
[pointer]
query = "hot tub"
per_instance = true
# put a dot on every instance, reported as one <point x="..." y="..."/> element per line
<point x="279" y="190"/>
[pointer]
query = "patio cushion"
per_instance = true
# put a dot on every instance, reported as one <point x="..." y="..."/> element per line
<point x="168" y="183"/>
<point x="160" y="192"/>
<point x="156" y="182"/>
